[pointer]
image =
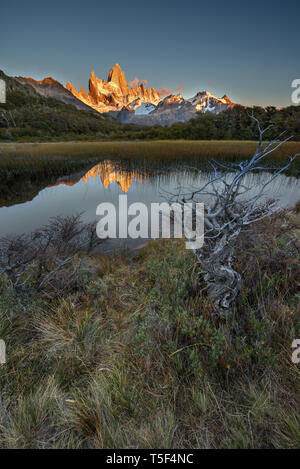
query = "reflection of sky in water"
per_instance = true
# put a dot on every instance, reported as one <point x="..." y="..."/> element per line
<point x="85" y="197"/>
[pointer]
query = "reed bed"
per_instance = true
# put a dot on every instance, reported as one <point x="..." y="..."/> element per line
<point x="140" y="149"/>
<point x="28" y="167"/>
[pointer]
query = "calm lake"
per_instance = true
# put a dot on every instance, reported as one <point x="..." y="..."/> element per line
<point x="82" y="193"/>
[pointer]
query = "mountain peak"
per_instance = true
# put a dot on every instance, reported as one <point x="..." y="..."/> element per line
<point x="117" y="77"/>
<point x="45" y="81"/>
<point x="70" y="87"/>
<point x="116" y="95"/>
<point x="172" y="99"/>
<point x="225" y="97"/>
<point x="115" y="73"/>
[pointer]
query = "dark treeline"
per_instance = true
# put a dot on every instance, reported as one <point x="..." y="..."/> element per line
<point x="27" y="115"/>
<point x="234" y="124"/>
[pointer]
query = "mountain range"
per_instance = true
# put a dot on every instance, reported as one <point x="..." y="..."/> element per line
<point x="136" y="104"/>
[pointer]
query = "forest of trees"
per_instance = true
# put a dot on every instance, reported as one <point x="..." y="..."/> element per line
<point x="234" y="124"/>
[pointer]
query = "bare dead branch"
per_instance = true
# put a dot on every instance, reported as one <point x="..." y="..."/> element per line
<point x="229" y="213"/>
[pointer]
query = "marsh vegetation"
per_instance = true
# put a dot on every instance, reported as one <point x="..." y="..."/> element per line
<point x="128" y="351"/>
<point x="133" y="356"/>
<point x="27" y="168"/>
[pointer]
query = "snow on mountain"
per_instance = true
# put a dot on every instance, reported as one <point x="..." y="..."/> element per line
<point x="173" y="108"/>
<point x="132" y="104"/>
<point x="206" y="102"/>
<point x="173" y="98"/>
<point x="114" y="94"/>
<point x="144" y="109"/>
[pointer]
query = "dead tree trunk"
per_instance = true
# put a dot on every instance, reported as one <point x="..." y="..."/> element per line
<point x="223" y="282"/>
<point x="229" y="213"/>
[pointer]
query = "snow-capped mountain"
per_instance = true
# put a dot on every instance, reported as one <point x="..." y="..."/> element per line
<point x="144" y="105"/>
<point x="206" y="102"/>
<point x="140" y="108"/>
<point x="114" y="94"/>
<point x="136" y="104"/>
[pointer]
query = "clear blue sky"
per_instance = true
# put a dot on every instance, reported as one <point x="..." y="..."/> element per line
<point x="249" y="50"/>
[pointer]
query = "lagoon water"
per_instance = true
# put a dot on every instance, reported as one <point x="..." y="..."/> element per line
<point x="107" y="180"/>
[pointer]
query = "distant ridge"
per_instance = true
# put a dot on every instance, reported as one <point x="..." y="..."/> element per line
<point x="136" y="104"/>
<point x="114" y="94"/>
<point x="51" y="88"/>
<point x="144" y="105"/>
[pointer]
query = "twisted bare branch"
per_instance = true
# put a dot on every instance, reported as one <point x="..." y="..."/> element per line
<point x="230" y="212"/>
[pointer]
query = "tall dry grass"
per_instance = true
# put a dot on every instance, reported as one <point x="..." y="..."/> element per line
<point x="27" y="168"/>
<point x="137" y="359"/>
<point x="141" y="149"/>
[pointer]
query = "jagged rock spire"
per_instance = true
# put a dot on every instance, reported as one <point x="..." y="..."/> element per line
<point x="117" y="77"/>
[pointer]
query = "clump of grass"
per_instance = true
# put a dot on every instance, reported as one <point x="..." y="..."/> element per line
<point x="78" y="340"/>
<point x="99" y="415"/>
<point x="139" y="360"/>
<point x="33" y="423"/>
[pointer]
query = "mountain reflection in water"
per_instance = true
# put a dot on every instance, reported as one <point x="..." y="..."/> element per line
<point x="83" y="192"/>
<point x="109" y="173"/>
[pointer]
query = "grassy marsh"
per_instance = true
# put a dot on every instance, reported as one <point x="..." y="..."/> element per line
<point x="136" y="358"/>
<point x="27" y="168"/>
<point x="142" y="149"/>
